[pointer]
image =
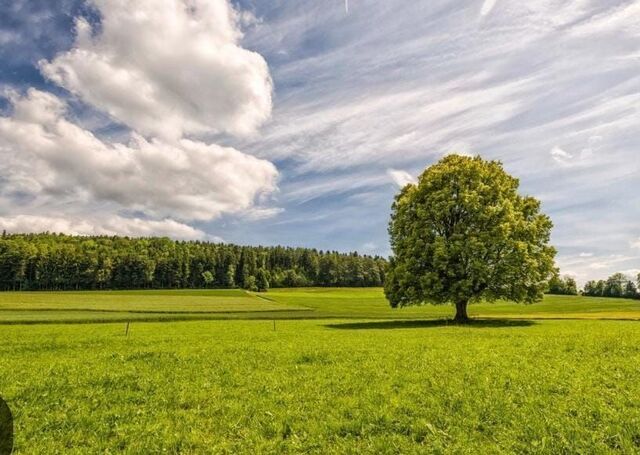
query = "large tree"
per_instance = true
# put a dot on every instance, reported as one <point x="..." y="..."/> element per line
<point x="463" y="234"/>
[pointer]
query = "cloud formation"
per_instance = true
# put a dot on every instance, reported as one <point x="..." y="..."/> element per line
<point x="487" y="7"/>
<point x="173" y="72"/>
<point x="167" y="68"/>
<point x="473" y="76"/>
<point x="46" y="155"/>
<point x="561" y="156"/>
<point x="115" y="225"/>
<point x="353" y="101"/>
<point x="401" y="178"/>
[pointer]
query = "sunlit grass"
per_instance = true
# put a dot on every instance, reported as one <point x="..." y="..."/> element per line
<point x="324" y="386"/>
<point x="306" y="303"/>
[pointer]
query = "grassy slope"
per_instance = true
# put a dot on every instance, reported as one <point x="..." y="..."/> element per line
<point x="324" y="387"/>
<point x="23" y="307"/>
<point x="20" y="307"/>
<point x="370" y="303"/>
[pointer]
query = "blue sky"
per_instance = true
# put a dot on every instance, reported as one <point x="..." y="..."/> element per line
<point x="295" y="122"/>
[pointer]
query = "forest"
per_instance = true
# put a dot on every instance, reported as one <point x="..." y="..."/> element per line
<point x="64" y="262"/>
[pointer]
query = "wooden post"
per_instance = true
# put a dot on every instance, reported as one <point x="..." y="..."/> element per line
<point x="126" y="330"/>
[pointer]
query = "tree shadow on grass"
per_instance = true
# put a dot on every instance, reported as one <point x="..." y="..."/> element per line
<point x="431" y="323"/>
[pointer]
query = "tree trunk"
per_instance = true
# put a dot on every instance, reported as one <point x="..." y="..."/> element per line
<point x="461" y="312"/>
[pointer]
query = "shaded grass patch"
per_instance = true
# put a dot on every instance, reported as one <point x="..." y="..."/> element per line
<point x="430" y="323"/>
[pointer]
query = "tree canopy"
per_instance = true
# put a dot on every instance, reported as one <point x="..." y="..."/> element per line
<point x="464" y="234"/>
<point x="59" y="262"/>
<point x="562" y="285"/>
<point x="617" y="285"/>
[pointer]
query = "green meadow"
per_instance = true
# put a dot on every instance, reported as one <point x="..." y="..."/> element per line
<point x="304" y="303"/>
<point x="87" y="306"/>
<point x="317" y="371"/>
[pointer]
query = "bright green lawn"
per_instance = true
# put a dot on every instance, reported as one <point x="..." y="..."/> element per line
<point x="136" y="305"/>
<point x="307" y="303"/>
<point x="370" y="302"/>
<point x="324" y="386"/>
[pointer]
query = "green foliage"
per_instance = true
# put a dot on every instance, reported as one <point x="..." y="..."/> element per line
<point x="562" y="286"/>
<point x="365" y="387"/>
<point x="630" y="290"/>
<point x="464" y="234"/>
<point x="293" y="280"/>
<point x="208" y="278"/>
<point x="154" y="305"/>
<point x="250" y="283"/>
<point x="617" y="285"/>
<point x="262" y="280"/>
<point x="62" y="262"/>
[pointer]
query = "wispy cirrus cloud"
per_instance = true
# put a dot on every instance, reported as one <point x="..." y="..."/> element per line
<point x="401" y="178"/>
<point x="487" y="7"/>
<point x="561" y="156"/>
<point x="431" y="79"/>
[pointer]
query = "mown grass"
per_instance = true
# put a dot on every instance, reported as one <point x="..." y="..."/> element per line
<point x="370" y="302"/>
<point x="306" y="303"/>
<point x="324" y="386"/>
<point x="151" y="305"/>
<point x="138" y="301"/>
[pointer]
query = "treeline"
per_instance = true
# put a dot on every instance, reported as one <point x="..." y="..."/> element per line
<point x="63" y="262"/>
<point x="617" y="285"/>
<point x="562" y="286"/>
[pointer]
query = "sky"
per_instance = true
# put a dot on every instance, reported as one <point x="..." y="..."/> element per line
<point x="296" y="122"/>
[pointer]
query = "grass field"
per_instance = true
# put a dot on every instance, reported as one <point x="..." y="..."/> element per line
<point x="305" y="303"/>
<point x="40" y="307"/>
<point x="370" y="303"/>
<point x="341" y="373"/>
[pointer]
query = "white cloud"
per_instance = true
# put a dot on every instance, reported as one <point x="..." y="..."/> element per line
<point x="115" y="225"/>
<point x="561" y="156"/>
<point x="429" y="78"/>
<point x="635" y="243"/>
<point x="611" y="262"/>
<point x="356" y="100"/>
<point x="621" y="18"/>
<point x="487" y="7"/>
<point x="45" y="155"/>
<point x="401" y="178"/>
<point x="261" y="213"/>
<point x="167" y="67"/>
<point x="631" y="273"/>
<point x="387" y="126"/>
<point x="311" y="188"/>
<point x="585" y="255"/>
<point x="571" y="273"/>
